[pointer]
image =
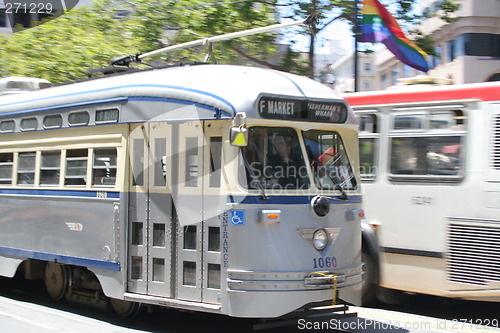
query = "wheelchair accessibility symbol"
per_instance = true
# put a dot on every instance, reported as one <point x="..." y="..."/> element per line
<point x="237" y="217"/>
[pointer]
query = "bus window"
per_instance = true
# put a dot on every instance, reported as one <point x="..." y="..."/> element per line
<point x="367" y="149"/>
<point x="6" y="163"/>
<point x="50" y="167"/>
<point x="434" y="150"/>
<point x="329" y="161"/>
<point x="76" y="167"/>
<point x="409" y="122"/>
<point x="104" y="168"/>
<point x="439" y="155"/>
<point x="273" y="159"/>
<point x="26" y="168"/>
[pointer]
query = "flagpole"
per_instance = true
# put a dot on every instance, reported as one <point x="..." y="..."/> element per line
<point x="356" y="39"/>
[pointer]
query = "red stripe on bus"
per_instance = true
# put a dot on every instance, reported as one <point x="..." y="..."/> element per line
<point x="484" y="92"/>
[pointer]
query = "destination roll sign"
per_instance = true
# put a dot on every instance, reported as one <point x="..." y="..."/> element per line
<point x="272" y="107"/>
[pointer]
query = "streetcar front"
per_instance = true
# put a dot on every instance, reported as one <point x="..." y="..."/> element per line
<point x="291" y="227"/>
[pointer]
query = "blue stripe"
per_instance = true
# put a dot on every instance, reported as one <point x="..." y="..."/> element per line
<point x="130" y="86"/>
<point x="179" y="101"/>
<point x="60" y="193"/>
<point x="290" y="200"/>
<point x="70" y="260"/>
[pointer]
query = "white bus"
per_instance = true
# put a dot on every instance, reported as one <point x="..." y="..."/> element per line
<point x="430" y="167"/>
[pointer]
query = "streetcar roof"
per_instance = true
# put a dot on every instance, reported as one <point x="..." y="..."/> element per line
<point x="228" y="88"/>
<point x="488" y="91"/>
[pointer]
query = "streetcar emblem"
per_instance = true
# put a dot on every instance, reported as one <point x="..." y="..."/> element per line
<point x="74" y="226"/>
<point x="237" y="217"/>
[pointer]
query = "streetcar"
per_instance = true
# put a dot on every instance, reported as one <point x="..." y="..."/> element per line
<point x="163" y="187"/>
<point x="430" y="168"/>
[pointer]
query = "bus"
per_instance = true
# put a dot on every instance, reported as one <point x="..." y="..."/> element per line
<point x="430" y="169"/>
<point x="164" y="187"/>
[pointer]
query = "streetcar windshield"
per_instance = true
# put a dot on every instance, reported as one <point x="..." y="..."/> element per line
<point x="274" y="160"/>
<point x="329" y="161"/>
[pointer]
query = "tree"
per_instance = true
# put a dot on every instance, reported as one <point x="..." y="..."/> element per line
<point x="62" y="49"/>
<point x="328" y="11"/>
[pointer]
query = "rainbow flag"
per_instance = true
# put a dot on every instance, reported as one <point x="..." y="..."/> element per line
<point x="380" y="26"/>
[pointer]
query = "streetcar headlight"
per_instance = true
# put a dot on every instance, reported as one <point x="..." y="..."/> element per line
<point x="320" y="205"/>
<point x="320" y="239"/>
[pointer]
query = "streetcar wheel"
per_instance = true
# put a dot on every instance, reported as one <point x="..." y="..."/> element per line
<point x="125" y="309"/>
<point x="369" y="289"/>
<point x="56" y="280"/>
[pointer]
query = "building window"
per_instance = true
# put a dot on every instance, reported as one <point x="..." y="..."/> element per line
<point x="394" y="76"/>
<point x="7" y="126"/>
<point x="482" y="45"/>
<point x="450" y="50"/>
<point x="368" y="66"/>
<point x="383" y="80"/>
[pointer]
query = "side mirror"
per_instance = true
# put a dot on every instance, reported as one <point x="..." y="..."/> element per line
<point x="239" y="134"/>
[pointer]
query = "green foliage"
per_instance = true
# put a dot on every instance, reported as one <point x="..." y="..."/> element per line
<point x="62" y="49"/>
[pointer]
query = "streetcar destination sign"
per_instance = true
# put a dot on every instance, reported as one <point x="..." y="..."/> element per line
<point x="273" y="107"/>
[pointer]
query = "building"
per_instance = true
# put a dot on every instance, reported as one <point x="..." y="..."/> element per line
<point x="468" y="49"/>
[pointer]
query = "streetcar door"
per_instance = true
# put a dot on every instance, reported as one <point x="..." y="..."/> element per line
<point x="187" y="193"/>
<point x="150" y="210"/>
<point x="197" y="199"/>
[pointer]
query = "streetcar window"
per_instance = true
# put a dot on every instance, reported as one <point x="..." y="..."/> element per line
<point x="329" y="161"/>
<point x="79" y="118"/>
<point x="76" y="167"/>
<point x="52" y="121"/>
<point x="26" y="168"/>
<point x="104" y="168"/>
<point x="213" y="276"/>
<point x="7" y="126"/>
<point x="6" y="163"/>
<point x="50" y="168"/>
<point x="215" y="161"/>
<point x="136" y="273"/>
<point x="138" y="162"/>
<point x="189" y="273"/>
<point x="274" y="159"/>
<point x="29" y="124"/>
<point x="190" y="237"/>
<point x="191" y="162"/>
<point x="106" y="116"/>
<point x="160" y="167"/>
<point x="159" y="269"/>
<point x="214" y="239"/>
